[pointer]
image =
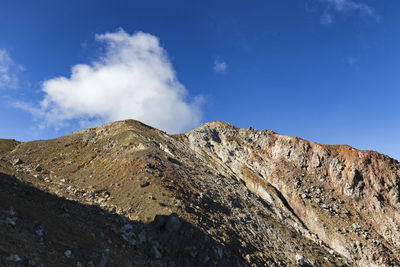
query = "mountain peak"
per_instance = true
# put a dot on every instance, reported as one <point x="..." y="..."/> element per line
<point x="218" y="123"/>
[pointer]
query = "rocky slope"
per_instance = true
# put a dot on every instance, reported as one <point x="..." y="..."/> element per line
<point x="126" y="194"/>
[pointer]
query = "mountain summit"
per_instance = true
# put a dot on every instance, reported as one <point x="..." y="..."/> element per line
<point x="126" y="194"/>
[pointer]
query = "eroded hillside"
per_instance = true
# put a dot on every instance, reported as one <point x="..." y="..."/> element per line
<point x="125" y="194"/>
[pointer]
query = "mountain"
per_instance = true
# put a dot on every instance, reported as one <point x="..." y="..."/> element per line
<point x="126" y="194"/>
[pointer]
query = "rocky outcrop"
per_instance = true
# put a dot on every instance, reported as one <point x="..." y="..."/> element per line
<point x="345" y="198"/>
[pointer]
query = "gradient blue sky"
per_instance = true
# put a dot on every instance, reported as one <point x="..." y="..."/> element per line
<point x="324" y="70"/>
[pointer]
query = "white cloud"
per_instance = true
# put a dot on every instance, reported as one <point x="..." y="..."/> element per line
<point x="133" y="79"/>
<point x="8" y="79"/>
<point x="343" y="6"/>
<point x="220" y="66"/>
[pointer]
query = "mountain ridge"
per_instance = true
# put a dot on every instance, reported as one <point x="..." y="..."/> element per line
<point x="263" y="198"/>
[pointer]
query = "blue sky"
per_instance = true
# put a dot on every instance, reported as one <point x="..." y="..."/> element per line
<point x="325" y="70"/>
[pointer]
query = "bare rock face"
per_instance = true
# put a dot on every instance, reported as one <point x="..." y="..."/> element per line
<point x="327" y="189"/>
<point x="126" y="194"/>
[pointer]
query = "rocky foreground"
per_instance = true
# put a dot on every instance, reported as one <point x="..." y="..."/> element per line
<point x="126" y="194"/>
